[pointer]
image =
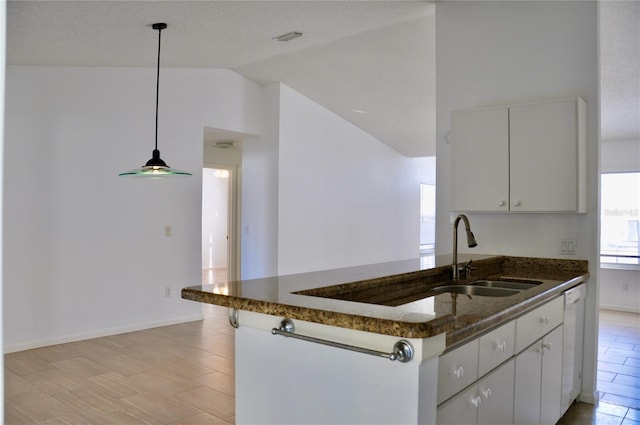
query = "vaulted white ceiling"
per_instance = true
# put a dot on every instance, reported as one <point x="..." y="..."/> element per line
<point x="371" y="62"/>
<point x="376" y="57"/>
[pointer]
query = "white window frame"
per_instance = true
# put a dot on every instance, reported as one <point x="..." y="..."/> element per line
<point x="427" y="219"/>
<point x="612" y="261"/>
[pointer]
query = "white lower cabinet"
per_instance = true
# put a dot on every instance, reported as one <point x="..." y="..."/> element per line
<point x="488" y="402"/>
<point x="538" y="381"/>
<point x="496" y="391"/>
<point x="511" y="375"/>
<point x="461" y="409"/>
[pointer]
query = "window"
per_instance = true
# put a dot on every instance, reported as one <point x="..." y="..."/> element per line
<point x="427" y="218"/>
<point x="620" y="218"/>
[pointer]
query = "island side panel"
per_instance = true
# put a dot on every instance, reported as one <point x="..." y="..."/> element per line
<point x="282" y="380"/>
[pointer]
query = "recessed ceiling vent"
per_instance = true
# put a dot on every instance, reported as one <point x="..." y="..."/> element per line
<point x="288" y="36"/>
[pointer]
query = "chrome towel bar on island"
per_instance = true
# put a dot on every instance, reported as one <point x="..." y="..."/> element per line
<point x="402" y="350"/>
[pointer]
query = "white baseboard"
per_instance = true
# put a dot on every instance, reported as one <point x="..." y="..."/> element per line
<point x="625" y="308"/>
<point x="101" y="333"/>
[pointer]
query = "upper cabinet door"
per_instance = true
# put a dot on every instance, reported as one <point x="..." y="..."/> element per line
<point x="480" y="160"/>
<point x="545" y="156"/>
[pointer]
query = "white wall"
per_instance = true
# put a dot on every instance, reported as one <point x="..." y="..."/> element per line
<point x="495" y="53"/>
<point x="620" y="289"/>
<point x="259" y="228"/>
<point x="620" y="155"/>
<point x="344" y="197"/>
<point x="620" y="147"/>
<point x="84" y="250"/>
<point x="3" y="24"/>
<point x="319" y="193"/>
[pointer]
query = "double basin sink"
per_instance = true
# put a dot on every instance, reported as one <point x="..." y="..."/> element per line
<point x="489" y="288"/>
<point x="402" y="292"/>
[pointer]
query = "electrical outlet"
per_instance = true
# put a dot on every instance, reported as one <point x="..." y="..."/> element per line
<point x="568" y="246"/>
<point x="167" y="291"/>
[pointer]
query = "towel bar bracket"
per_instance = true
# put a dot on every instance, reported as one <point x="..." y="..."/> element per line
<point x="402" y="350"/>
<point x="233" y="317"/>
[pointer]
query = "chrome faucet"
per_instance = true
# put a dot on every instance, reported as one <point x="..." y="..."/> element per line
<point x="471" y="242"/>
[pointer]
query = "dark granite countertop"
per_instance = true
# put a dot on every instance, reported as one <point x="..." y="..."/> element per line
<point x="394" y="298"/>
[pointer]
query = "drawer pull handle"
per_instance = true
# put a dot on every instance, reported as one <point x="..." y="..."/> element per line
<point x="486" y="393"/>
<point x="459" y="372"/>
<point x="476" y="401"/>
<point x="501" y="346"/>
<point x="544" y="320"/>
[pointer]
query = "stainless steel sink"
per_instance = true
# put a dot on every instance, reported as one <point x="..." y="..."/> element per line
<point x="507" y="284"/>
<point x="478" y="290"/>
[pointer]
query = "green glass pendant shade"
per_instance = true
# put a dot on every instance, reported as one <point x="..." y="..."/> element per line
<point x="156" y="167"/>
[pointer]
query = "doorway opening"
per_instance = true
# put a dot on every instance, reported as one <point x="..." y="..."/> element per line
<point x="218" y="223"/>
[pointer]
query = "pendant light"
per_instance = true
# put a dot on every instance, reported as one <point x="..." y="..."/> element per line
<point x="156" y="167"/>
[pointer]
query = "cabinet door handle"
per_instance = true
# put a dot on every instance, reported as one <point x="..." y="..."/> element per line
<point x="476" y="401"/>
<point x="458" y="372"/>
<point x="486" y="393"/>
<point x="544" y="320"/>
<point x="546" y="346"/>
<point x="501" y="203"/>
<point x="517" y="203"/>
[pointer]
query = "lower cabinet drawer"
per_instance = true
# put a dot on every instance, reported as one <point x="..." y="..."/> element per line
<point x="457" y="369"/>
<point x="496" y="347"/>
<point x="533" y="325"/>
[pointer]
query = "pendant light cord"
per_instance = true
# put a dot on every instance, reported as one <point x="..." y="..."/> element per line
<point x="158" y="83"/>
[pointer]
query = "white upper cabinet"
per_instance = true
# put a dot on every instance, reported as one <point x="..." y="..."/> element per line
<point x="524" y="158"/>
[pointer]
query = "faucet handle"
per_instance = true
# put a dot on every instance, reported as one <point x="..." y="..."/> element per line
<point x="467" y="268"/>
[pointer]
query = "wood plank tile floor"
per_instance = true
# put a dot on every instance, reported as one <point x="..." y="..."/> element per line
<point x="184" y="374"/>
<point x="180" y="374"/>
<point x="618" y="374"/>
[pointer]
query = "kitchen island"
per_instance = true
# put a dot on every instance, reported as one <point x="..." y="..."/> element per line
<point x="369" y="308"/>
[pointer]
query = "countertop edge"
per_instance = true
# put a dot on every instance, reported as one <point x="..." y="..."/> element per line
<point x="390" y="327"/>
<point x="457" y="328"/>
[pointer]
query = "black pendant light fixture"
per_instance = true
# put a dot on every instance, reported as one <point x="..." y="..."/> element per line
<point x="156" y="167"/>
